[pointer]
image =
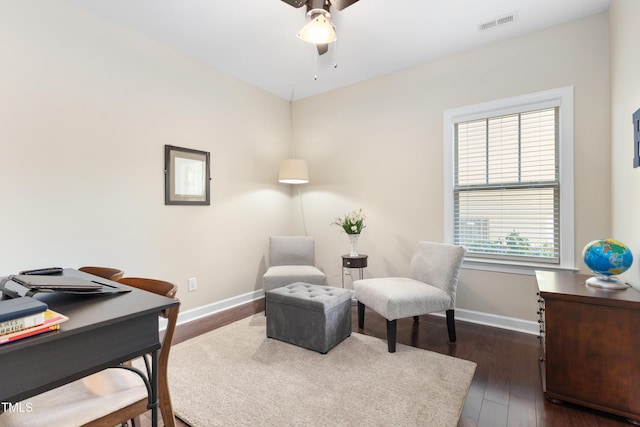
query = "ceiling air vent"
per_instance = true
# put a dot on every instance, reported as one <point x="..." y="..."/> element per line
<point x="497" y="22"/>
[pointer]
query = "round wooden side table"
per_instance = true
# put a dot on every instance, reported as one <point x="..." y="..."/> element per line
<point x="358" y="261"/>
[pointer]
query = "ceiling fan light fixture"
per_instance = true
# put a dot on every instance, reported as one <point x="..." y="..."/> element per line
<point x="318" y="31"/>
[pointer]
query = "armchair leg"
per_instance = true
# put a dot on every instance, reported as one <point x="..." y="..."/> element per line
<point x="451" y="326"/>
<point x="391" y="335"/>
<point x="360" y="315"/>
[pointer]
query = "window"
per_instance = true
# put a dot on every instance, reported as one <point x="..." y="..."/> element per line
<point x="509" y="181"/>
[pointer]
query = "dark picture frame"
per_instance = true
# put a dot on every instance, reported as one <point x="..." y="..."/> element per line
<point x="187" y="176"/>
<point x="636" y="138"/>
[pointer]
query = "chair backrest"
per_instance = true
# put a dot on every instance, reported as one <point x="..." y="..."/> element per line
<point x="438" y="264"/>
<point x="168" y="290"/>
<point x="106" y="272"/>
<point x="291" y="250"/>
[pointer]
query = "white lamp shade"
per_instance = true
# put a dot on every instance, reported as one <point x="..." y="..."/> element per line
<point x="318" y="31"/>
<point x="293" y="171"/>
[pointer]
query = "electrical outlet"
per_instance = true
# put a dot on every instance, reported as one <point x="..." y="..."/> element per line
<point x="193" y="284"/>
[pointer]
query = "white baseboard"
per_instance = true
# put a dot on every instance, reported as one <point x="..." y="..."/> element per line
<point x="216" y="307"/>
<point x="488" y="319"/>
<point x="496" y="321"/>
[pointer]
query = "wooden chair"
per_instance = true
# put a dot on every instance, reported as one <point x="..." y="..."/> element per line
<point x="110" y="397"/>
<point x="106" y="272"/>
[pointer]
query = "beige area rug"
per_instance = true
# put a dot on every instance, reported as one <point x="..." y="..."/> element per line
<point x="236" y="376"/>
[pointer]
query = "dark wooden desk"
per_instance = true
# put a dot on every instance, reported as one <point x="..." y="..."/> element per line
<point x="589" y="344"/>
<point x="102" y="331"/>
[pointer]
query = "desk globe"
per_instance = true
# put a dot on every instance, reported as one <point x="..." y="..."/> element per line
<point x="607" y="258"/>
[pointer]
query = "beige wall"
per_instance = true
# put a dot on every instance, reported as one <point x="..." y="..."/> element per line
<point x="86" y="108"/>
<point x="625" y="100"/>
<point x="379" y="145"/>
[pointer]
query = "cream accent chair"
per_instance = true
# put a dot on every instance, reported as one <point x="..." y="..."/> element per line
<point x="431" y="288"/>
<point x="291" y="260"/>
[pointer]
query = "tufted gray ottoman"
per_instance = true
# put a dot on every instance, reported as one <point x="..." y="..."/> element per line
<point x="310" y="316"/>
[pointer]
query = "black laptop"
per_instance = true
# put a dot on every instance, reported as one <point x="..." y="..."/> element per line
<point x="57" y="283"/>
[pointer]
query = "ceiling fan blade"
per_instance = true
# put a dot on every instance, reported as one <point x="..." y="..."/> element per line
<point x="322" y="48"/>
<point x="296" y="3"/>
<point x="341" y="4"/>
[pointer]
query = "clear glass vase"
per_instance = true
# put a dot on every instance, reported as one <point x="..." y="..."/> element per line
<point x="353" y="239"/>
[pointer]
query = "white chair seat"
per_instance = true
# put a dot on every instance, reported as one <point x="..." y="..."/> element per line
<point x="79" y="402"/>
<point x="282" y="275"/>
<point x="398" y="297"/>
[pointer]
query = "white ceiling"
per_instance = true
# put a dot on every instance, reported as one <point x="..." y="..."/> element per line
<point x="255" y="40"/>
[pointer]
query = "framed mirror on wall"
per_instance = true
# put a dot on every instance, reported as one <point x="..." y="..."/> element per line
<point x="187" y="176"/>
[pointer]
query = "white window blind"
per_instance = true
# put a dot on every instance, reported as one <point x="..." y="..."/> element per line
<point x="506" y="191"/>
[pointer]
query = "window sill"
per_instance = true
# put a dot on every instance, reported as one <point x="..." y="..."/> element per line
<point x="527" y="269"/>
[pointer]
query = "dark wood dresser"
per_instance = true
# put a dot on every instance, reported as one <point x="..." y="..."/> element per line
<point x="589" y="344"/>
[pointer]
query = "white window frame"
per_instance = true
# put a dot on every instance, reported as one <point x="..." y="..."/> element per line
<point x="562" y="98"/>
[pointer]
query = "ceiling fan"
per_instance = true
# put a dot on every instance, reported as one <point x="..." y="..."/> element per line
<point x="319" y="31"/>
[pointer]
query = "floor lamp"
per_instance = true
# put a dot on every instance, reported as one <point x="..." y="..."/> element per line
<point x="295" y="171"/>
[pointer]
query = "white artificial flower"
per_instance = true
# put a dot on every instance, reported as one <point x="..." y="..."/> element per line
<point x="352" y="223"/>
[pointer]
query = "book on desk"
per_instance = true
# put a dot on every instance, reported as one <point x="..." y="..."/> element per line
<point x="21" y="313"/>
<point x="24" y="317"/>
<point x="51" y="322"/>
<point x="19" y="307"/>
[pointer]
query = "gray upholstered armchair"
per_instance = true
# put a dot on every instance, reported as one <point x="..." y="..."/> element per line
<point x="431" y="288"/>
<point x="291" y="260"/>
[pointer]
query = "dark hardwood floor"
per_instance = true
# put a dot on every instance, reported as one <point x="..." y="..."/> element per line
<point x="506" y="389"/>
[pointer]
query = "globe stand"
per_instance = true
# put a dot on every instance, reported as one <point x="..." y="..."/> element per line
<point x="606" y="282"/>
